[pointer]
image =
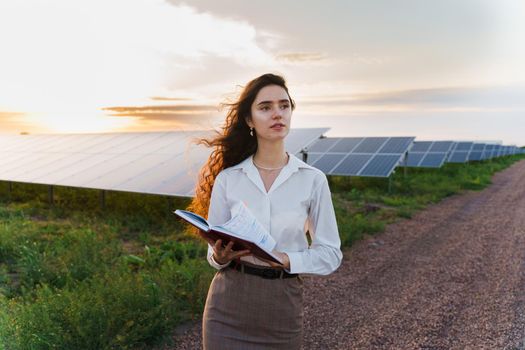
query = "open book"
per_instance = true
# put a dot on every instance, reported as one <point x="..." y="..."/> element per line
<point x="243" y="229"/>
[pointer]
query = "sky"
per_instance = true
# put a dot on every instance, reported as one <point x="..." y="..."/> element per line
<point x="436" y="70"/>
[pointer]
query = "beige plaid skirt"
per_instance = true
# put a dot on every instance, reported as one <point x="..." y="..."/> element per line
<point x="249" y="312"/>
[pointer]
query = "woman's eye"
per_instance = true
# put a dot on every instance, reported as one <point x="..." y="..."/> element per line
<point x="265" y="108"/>
<point x="285" y="106"/>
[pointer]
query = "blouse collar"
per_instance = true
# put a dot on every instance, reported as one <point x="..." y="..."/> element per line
<point x="293" y="165"/>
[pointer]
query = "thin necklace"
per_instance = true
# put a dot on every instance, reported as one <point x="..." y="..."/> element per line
<point x="264" y="168"/>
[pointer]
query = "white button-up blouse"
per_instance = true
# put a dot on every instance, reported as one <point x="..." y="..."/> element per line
<point x="298" y="201"/>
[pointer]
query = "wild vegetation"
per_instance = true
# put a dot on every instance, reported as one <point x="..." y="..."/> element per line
<point x="74" y="275"/>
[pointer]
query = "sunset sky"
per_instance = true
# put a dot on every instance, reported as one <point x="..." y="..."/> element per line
<point x="447" y="69"/>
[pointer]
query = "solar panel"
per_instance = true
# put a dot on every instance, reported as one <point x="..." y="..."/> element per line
<point x="152" y="162"/>
<point x="148" y="180"/>
<point x="370" y="145"/>
<point x="460" y="152"/>
<point x="347" y="144"/>
<point x="458" y="157"/>
<point x="442" y="146"/>
<point x="381" y="165"/>
<point x="327" y="162"/>
<point x="464" y="146"/>
<point x="474" y="155"/>
<point x="428" y="154"/>
<point x="38" y="142"/>
<point x="421" y="146"/>
<point x="7" y="140"/>
<point x="497" y="151"/>
<point x="311" y="158"/>
<point x="300" y="138"/>
<point x="488" y="151"/>
<point x="396" y="145"/>
<point x="27" y="166"/>
<point x="322" y="145"/>
<point x="352" y="164"/>
<point x="414" y="158"/>
<point x="349" y="156"/>
<point x="433" y="160"/>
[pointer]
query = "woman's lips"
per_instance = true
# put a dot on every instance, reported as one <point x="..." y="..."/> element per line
<point x="277" y="126"/>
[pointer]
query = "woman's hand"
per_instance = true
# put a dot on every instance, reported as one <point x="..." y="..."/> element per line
<point x="284" y="258"/>
<point x="225" y="255"/>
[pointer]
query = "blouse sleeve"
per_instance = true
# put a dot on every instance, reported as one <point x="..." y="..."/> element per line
<point x="324" y="254"/>
<point x="218" y="213"/>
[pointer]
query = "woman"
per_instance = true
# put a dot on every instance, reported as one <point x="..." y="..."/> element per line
<point x="251" y="303"/>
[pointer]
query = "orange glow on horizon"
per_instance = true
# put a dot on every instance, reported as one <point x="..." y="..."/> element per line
<point x="77" y="122"/>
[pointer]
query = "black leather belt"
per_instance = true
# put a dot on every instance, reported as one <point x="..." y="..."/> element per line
<point x="269" y="273"/>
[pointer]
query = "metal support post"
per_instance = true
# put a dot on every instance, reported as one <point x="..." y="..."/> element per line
<point x="169" y="202"/>
<point x="103" y="199"/>
<point x="50" y="195"/>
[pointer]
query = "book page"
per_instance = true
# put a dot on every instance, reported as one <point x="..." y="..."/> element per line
<point x="245" y="225"/>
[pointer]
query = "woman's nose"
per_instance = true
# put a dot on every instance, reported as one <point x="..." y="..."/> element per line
<point x="277" y="112"/>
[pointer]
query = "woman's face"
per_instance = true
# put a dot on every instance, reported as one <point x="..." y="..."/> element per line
<point x="271" y="113"/>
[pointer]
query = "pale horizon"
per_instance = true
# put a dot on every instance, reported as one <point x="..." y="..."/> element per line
<point x="434" y="70"/>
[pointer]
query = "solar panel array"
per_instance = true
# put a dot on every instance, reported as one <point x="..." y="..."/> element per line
<point x="433" y="154"/>
<point x="358" y="156"/>
<point x="469" y="151"/>
<point x="428" y="154"/>
<point x="167" y="163"/>
<point x="164" y="163"/>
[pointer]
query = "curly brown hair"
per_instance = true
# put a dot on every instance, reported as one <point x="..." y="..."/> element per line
<point x="233" y="143"/>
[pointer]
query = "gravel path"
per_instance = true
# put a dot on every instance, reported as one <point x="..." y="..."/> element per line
<point x="452" y="277"/>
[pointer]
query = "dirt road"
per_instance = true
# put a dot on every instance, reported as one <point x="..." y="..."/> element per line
<point x="452" y="277"/>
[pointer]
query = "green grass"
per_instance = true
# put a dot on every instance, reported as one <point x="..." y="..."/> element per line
<point x="365" y="206"/>
<point x="75" y="276"/>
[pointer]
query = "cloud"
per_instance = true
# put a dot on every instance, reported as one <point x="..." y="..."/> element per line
<point x="172" y="108"/>
<point x="13" y="122"/>
<point x="6" y="115"/>
<point x="163" y="117"/>
<point x="58" y="54"/>
<point x="451" y="98"/>
<point x="11" y="118"/>
<point x="294" y="57"/>
<point x="160" y="98"/>
<point x="164" y="112"/>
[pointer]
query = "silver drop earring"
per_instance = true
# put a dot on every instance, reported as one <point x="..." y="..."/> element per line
<point x="251" y="131"/>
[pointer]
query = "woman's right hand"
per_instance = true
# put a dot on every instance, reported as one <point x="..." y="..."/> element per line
<point x="225" y="255"/>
